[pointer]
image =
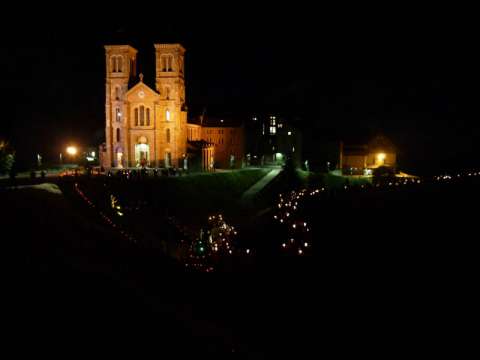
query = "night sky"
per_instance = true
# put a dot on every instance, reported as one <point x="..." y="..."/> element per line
<point x="410" y="75"/>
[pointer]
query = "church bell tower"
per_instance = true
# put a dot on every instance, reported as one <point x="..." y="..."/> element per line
<point x="121" y="67"/>
<point x="170" y="84"/>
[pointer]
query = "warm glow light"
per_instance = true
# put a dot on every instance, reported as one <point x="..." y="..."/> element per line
<point x="381" y="157"/>
<point x="71" y="150"/>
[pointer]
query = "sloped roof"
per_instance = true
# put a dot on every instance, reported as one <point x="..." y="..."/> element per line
<point x="381" y="143"/>
<point x="211" y="121"/>
<point x="143" y="86"/>
<point x="355" y="150"/>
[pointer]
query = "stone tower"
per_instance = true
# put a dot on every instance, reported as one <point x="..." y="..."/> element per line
<point x="170" y="84"/>
<point x="121" y="67"/>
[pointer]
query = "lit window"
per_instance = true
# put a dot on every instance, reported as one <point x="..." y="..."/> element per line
<point x="167" y="115"/>
<point x="118" y="115"/>
<point x="289" y="133"/>
<point x="273" y="130"/>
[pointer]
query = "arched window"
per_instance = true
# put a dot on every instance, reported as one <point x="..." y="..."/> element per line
<point x="163" y="60"/>
<point x="167" y="62"/>
<point x="118" y="114"/>
<point x="148" y="116"/>
<point x="142" y="115"/>
<point x="168" y="136"/>
<point x="118" y="135"/>
<point x="113" y="64"/>
<point x="117" y="93"/>
<point x="167" y="115"/>
<point x="136" y="116"/>
<point x="120" y="64"/>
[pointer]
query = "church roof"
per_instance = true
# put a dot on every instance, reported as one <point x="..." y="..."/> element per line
<point x="142" y="86"/>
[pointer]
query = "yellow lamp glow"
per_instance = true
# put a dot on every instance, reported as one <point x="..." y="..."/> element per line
<point x="71" y="150"/>
<point x="381" y="157"/>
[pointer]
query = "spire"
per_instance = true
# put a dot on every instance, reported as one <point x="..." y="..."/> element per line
<point x="203" y="115"/>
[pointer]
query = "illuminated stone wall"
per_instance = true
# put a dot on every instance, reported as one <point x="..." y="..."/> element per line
<point x="228" y="141"/>
<point x="390" y="159"/>
<point x="120" y="63"/>
<point x="149" y="127"/>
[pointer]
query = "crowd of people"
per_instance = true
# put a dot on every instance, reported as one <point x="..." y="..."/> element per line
<point x="147" y="172"/>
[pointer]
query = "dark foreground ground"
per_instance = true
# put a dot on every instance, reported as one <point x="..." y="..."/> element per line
<point x="390" y="275"/>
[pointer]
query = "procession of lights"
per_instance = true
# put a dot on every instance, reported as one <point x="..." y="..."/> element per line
<point x="286" y="210"/>
<point x="297" y="231"/>
<point x="219" y="239"/>
<point x="102" y="214"/>
<point x="216" y="241"/>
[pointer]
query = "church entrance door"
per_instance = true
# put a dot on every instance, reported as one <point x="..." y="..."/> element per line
<point x="119" y="159"/>
<point x="168" y="159"/>
<point x="142" y="154"/>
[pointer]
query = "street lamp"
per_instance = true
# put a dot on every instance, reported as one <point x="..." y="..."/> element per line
<point x="71" y="150"/>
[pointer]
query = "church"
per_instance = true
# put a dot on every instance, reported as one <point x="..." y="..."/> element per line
<point x="147" y="127"/>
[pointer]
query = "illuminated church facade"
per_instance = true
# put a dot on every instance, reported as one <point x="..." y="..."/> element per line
<point x="145" y="126"/>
